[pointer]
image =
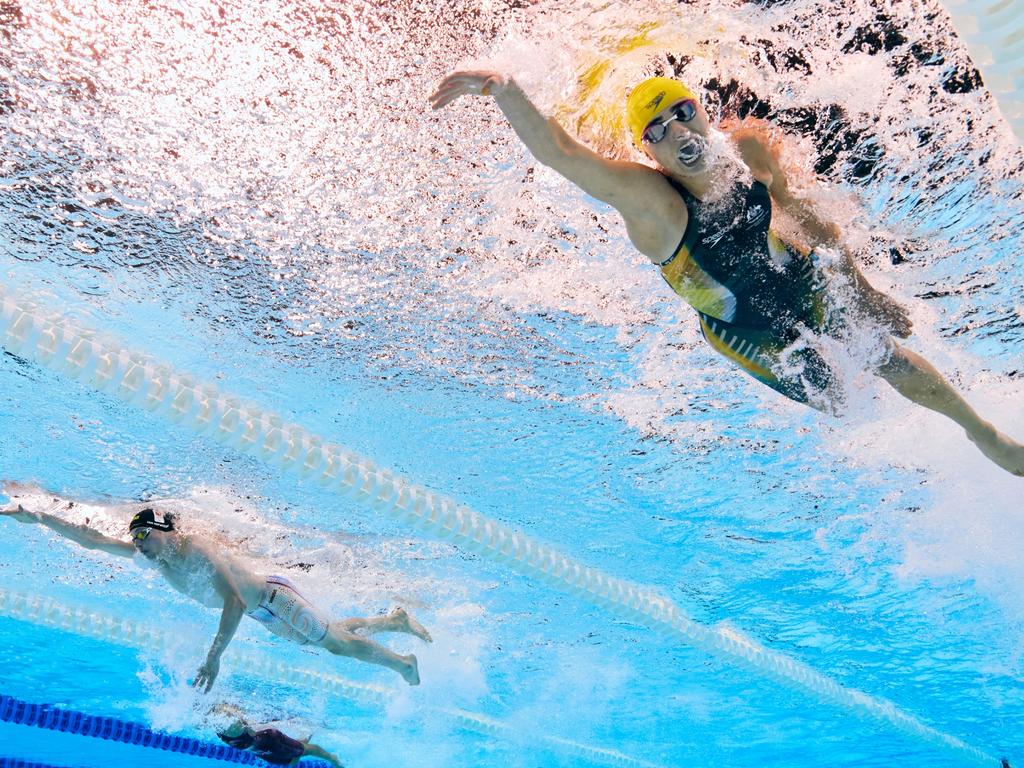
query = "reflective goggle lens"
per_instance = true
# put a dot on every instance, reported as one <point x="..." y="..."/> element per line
<point x="684" y="112"/>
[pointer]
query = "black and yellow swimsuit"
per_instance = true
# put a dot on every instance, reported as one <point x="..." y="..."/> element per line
<point x="753" y="292"/>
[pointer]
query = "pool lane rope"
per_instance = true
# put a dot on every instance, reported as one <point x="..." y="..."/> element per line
<point x="51" y="718"/>
<point x="52" y="342"/>
<point x="49" y="613"/>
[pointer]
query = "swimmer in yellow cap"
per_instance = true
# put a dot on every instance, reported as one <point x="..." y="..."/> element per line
<point x="704" y="218"/>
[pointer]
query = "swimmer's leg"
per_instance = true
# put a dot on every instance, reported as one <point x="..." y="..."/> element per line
<point x="396" y="621"/>
<point x="314" y="750"/>
<point x="917" y="380"/>
<point x="342" y="642"/>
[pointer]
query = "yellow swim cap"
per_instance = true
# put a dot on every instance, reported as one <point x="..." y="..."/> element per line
<point x="649" y="98"/>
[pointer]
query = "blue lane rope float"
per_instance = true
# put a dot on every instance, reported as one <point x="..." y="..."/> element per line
<point x="49" y="613"/>
<point x="14" y="762"/>
<point x="51" y="718"/>
<point x="54" y="343"/>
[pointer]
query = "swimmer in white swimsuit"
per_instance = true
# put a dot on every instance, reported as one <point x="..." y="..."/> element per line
<point x="214" y="576"/>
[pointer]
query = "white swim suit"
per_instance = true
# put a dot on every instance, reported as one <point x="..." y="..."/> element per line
<point x="285" y="612"/>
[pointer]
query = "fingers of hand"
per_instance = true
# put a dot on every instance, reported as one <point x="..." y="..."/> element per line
<point x="461" y="84"/>
<point x="446" y="95"/>
<point x="203" y="684"/>
<point x="443" y="98"/>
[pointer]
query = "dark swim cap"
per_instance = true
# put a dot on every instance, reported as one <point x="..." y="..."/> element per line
<point x="147" y="518"/>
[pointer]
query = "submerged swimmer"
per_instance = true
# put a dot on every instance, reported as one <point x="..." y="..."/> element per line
<point x="704" y="218"/>
<point x="269" y="744"/>
<point x="213" y="575"/>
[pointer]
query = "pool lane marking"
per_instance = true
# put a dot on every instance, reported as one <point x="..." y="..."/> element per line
<point x="47" y="612"/>
<point x="53" y="718"/>
<point x="54" y="343"/>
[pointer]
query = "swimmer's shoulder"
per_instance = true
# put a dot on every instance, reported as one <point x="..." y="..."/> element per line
<point x="657" y="222"/>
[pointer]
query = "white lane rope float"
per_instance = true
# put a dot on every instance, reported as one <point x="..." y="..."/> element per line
<point x="52" y="342"/>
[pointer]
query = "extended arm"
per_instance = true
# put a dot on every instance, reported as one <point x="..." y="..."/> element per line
<point x="652" y="210"/>
<point x="80" y="534"/>
<point x="231" y="615"/>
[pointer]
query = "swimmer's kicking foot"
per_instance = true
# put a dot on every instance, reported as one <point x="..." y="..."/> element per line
<point x="917" y="380"/>
<point x="412" y="673"/>
<point x="405" y="623"/>
<point x="350" y="637"/>
<point x="212" y="573"/>
<point x="398" y="620"/>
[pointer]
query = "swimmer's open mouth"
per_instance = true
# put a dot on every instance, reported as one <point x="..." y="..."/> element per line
<point x="691" y="150"/>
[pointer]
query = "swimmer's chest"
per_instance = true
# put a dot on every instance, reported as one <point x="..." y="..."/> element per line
<point x="729" y="238"/>
<point x="729" y="254"/>
<point x="193" y="576"/>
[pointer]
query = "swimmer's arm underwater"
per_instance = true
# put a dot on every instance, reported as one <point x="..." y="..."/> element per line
<point x="230" y="617"/>
<point x="80" y="534"/>
<point x="763" y="157"/>
<point x="652" y="210"/>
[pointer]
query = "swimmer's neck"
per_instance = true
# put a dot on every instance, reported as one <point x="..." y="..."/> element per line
<point x="712" y="182"/>
<point x="697" y="185"/>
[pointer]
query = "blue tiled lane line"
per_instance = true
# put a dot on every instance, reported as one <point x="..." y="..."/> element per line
<point x="53" y="718"/>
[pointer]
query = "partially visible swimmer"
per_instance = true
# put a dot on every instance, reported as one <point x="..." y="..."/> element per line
<point x="269" y="744"/>
<point x="704" y="219"/>
<point x="213" y="575"/>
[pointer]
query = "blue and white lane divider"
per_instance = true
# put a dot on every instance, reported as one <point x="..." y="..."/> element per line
<point x="49" y="717"/>
<point x="53" y="342"/>
<point x="46" y="612"/>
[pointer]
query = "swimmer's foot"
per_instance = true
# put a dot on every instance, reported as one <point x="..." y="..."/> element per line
<point x="1000" y="449"/>
<point x="411" y="673"/>
<point x="403" y="622"/>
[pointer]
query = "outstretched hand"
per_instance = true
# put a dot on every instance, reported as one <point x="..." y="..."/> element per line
<point x="472" y="83"/>
<point x="206" y="675"/>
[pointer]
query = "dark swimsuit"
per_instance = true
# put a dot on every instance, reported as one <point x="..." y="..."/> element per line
<point x="269" y="744"/>
<point x="754" y="294"/>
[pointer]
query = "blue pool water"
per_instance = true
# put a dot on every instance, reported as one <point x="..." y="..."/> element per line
<point x="217" y="185"/>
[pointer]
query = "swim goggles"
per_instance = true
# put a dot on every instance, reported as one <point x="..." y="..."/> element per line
<point x="139" y="535"/>
<point x="684" y="112"/>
